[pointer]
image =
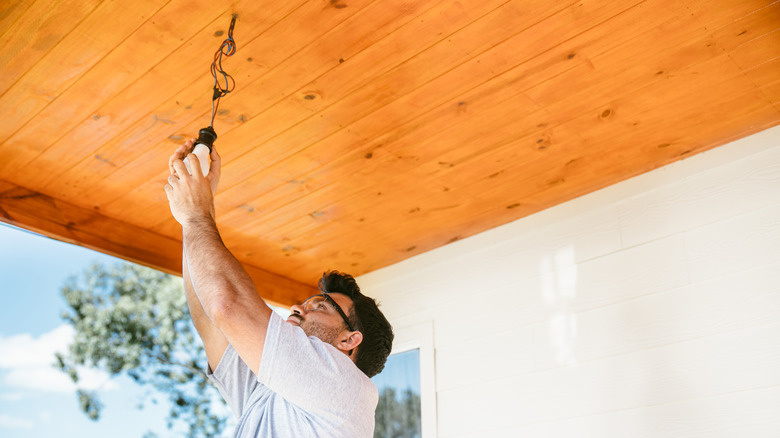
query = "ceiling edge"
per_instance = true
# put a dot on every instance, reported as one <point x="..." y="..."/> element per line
<point x="66" y="222"/>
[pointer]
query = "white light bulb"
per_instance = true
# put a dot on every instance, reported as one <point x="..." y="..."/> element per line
<point x="202" y="152"/>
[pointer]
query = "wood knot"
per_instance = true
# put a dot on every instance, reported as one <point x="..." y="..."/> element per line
<point x="311" y="95"/>
<point x="555" y="182"/>
<point x="543" y="143"/>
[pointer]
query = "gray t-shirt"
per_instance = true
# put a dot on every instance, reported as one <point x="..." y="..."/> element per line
<point x="305" y="388"/>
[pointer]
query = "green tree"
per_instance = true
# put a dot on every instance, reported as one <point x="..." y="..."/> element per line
<point x="131" y="320"/>
<point x="397" y="417"/>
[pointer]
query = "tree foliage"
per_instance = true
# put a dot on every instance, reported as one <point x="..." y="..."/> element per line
<point x="131" y="320"/>
<point x="397" y="417"/>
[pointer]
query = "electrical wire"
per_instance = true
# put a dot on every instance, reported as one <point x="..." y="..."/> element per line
<point x="228" y="48"/>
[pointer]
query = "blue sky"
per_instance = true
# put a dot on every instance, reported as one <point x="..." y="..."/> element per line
<point x="401" y="372"/>
<point x="35" y="399"/>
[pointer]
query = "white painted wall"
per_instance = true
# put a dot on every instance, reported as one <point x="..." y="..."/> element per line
<point x="647" y="309"/>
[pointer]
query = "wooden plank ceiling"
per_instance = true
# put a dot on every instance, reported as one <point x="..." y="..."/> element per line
<point x="361" y="132"/>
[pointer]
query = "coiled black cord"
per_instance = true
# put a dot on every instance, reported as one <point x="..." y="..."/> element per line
<point x="228" y="48"/>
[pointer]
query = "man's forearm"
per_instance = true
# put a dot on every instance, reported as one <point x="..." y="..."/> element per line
<point x="199" y="317"/>
<point x="219" y="280"/>
<point x="214" y="341"/>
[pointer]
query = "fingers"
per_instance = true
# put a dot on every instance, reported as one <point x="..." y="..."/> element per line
<point x="215" y="170"/>
<point x="194" y="162"/>
<point x="172" y="180"/>
<point x="216" y="161"/>
<point x="179" y="154"/>
<point x="180" y="169"/>
<point x="168" y="191"/>
<point x="171" y="159"/>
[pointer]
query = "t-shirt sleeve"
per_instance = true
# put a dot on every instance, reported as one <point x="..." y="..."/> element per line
<point x="308" y="372"/>
<point x="234" y="380"/>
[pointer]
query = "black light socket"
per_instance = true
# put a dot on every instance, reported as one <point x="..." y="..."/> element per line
<point x="206" y="137"/>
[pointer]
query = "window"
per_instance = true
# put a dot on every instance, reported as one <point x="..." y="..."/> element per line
<point x="398" y="412"/>
<point x="407" y="388"/>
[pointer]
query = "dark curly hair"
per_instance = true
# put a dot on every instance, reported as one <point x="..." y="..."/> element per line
<point x="366" y="318"/>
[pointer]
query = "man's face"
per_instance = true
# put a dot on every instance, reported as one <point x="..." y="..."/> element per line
<point x="318" y="317"/>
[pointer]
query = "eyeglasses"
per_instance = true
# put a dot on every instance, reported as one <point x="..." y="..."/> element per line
<point x="318" y="303"/>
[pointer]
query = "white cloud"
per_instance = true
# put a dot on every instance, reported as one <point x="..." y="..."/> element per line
<point x="25" y="350"/>
<point x="11" y="396"/>
<point x="9" y="422"/>
<point x="27" y="363"/>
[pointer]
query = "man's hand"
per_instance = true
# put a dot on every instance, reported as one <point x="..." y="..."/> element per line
<point x="191" y="197"/>
<point x="216" y="162"/>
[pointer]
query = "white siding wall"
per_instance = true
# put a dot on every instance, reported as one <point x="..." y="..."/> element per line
<point x="647" y="309"/>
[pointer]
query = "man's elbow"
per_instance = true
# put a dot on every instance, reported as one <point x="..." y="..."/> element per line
<point x="217" y="311"/>
<point x="222" y="308"/>
<point x="230" y="307"/>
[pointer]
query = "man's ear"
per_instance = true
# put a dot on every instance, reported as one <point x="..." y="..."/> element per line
<point x="350" y="342"/>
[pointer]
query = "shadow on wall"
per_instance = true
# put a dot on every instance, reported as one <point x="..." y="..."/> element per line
<point x="559" y="290"/>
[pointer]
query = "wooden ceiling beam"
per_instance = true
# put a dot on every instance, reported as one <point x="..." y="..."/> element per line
<point x="88" y="228"/>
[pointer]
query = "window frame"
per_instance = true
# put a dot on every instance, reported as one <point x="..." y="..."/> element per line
<point x="420" y="336"/>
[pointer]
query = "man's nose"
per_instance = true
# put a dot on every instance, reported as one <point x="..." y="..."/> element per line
<point x="296" y="308"/>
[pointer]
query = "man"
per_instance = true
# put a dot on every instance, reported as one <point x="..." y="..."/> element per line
<point x="308" y="377"/>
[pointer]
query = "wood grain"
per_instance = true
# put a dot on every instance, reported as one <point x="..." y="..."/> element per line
<point x="30" y="30"/>
<point x="364" y="132"/>
<point x="72" y="224"/>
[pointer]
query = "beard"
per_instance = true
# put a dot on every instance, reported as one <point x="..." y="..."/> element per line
<point x="328" y="335"/>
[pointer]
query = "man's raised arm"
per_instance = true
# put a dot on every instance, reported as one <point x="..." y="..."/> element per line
<point x="214" y="342"/>
<point x="220" y="293"/>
